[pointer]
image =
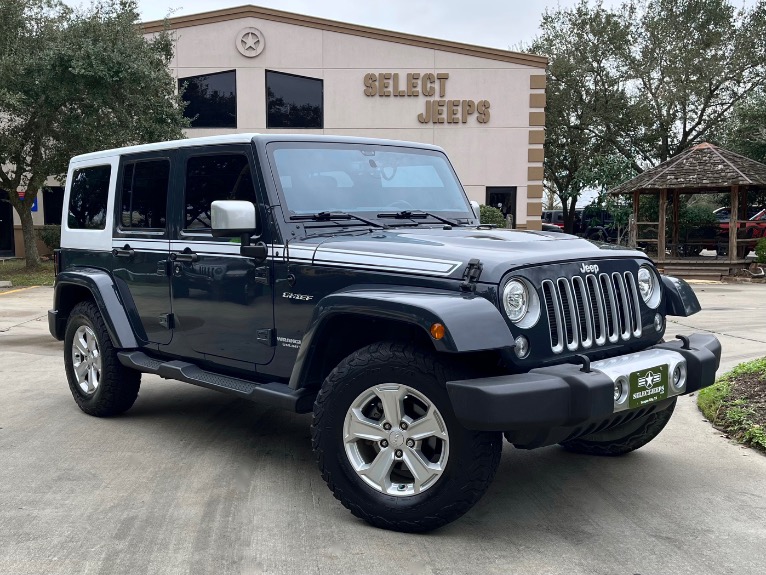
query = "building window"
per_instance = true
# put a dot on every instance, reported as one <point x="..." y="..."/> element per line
<point x="88" y="197"/>
<point x="145" y="194"/>
<point x="53" y="204"/>
<point x="293" y="101"/>
<point x="211" y="99"/>
<point x="211" y="178"/>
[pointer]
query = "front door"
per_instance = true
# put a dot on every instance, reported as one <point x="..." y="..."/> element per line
<point x="6" y="225"/>
<point x="222" y="302"/>
<point x="503" y="198"/>
<point x="140" y="243"/>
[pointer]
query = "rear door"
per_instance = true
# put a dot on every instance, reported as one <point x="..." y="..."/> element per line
<point x="222" y="302"/>
<point x="140" y="243"/>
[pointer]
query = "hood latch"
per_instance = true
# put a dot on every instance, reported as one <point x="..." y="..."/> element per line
<point x="471" y="275"/>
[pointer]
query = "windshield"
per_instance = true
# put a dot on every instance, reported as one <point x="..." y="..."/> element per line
<point x="319" y="177"/>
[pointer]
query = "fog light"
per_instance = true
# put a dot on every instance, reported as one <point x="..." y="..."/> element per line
<point x="658" y="322"/>
<point x="522" y="347"/>
<point x="620" y="390"/>
<point x="679" y="376"/>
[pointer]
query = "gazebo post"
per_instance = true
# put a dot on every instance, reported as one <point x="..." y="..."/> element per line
<point x="676" y="198"/>
<point x="733" y="217"/>
<point x="661" y="231"/>
<point x="634" y="223"/>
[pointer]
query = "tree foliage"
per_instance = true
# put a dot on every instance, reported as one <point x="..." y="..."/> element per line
<point x="641" y="83"/>
<point x="74" y="81"/>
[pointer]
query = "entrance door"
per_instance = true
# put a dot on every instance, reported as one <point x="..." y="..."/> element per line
<point x="6" y="225"/>
<point x="503" y="198"/>
<point x="140" y="244"/>
<point x="222" y="302"/>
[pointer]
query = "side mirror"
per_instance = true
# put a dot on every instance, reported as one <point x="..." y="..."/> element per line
<point x="231" y="218"/>
<point x="476" y="209"/>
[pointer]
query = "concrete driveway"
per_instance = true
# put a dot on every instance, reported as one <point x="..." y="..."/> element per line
<point x="191" y="481"/>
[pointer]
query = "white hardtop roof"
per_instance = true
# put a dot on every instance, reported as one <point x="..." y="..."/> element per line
<point x="170" y="144"/>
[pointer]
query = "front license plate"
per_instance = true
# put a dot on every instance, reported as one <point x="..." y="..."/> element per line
<point x="648" y="386"/>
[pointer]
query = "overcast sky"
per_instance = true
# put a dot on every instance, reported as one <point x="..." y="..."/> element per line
<point x="495" y="23"/>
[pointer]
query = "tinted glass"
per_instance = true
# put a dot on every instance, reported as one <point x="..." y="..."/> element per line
<point x="53" y="204"/>
<point x="211" y="178"/>
<point x="88" y="197"/>
<point x="293" y="101"/>
<point x="366" y="178"/>
<point x="212" y="100"/>
<point x="145" y="194"/>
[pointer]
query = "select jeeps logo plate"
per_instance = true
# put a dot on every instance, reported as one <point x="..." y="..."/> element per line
<point x="588" y="269"/>
<point x="648" y="386"/>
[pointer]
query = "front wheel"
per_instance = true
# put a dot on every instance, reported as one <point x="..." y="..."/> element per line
<point x="389" y="446"/>
<point x="623" y="438"/>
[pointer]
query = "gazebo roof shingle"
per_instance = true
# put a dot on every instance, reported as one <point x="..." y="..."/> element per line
<point x="701" y="166"/>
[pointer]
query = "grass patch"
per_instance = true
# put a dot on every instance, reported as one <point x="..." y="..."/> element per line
<point x="736" y="403"/>
<point x="16" y="272"/>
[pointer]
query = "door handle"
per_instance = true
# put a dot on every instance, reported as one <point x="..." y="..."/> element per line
<point x="185" y="256"/>
<point x="125" y="252"/>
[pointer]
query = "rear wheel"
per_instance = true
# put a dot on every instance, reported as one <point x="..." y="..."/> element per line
<point x="623" y="438"/>
<point x="389" y="446"/>
<point x="99" y="383"/>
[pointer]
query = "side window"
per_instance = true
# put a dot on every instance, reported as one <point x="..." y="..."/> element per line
<point x="88" y="197"/>
<point x="144" y="195"/>
<point x="211" y="178"/>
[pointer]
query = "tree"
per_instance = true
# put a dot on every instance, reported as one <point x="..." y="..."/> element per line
<point x="746" y="131"/>
<point x="73" y="81"/>
<point x="584" y="92"/>
<point x="642" y="82"/>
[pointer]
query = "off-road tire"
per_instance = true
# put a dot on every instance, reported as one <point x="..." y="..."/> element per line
<point x="473" y="456"/>
<point x="623" y="438"/>
<point x="118" y="386"/>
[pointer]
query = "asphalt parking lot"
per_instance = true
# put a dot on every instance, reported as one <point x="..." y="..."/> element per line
<point x="191" y="481"/>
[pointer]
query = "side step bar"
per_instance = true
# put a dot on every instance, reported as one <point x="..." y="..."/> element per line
<point x="275" y="394"/>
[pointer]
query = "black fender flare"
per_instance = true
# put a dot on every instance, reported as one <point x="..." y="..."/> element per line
<point x="104" y="292"/>
<point x="472" y="323"/>
<point x="680" y="299"/>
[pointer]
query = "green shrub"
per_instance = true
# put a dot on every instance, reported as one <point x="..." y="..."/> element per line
<point x="50" y="235"/>
<point x="760" y="251"/>
<point x="490" y="215"/>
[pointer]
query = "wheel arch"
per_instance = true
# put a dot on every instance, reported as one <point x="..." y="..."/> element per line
<point x="368" y="315"/>
<point x="90" y="284"/>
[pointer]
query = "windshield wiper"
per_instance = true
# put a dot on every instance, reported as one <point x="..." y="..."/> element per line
<point x="418" y="214"/>
<point x="331" y="216"/>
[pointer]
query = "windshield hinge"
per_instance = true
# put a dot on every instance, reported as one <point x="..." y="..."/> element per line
<point x="471" y="275"/>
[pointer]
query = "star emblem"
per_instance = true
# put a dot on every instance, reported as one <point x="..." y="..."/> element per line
<point x="250" y="41"/>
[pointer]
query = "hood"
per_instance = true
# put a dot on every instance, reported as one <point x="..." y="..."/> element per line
<point x="445" y="252"/>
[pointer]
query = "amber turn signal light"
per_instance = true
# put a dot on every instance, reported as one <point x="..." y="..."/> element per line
<point x="437" y="331"/>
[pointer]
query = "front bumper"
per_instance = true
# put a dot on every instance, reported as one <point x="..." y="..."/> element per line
<point x="564" y="396"/>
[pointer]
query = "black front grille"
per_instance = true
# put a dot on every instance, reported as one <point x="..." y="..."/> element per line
<point x="592" y="310"/>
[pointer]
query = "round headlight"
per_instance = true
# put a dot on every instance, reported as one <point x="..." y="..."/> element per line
<point x="516" y="300"/>
<point x="648" y="286"/>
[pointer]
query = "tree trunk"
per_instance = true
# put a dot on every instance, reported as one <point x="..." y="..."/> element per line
<point x="28" y="230"/>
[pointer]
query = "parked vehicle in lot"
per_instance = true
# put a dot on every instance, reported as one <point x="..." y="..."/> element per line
<point x="723" y="214"/>
<point x="351" y="277"/>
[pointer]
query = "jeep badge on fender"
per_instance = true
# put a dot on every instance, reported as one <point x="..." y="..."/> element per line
<point x="426" y="338"/>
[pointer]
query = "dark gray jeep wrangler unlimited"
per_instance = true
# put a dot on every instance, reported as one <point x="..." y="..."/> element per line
<point x="351" y="278"/>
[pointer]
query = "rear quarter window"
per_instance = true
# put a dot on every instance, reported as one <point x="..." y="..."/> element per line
<point x="88" y="198"/>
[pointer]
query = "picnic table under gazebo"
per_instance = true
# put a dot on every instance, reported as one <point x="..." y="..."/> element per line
<point x="701" y="169"/>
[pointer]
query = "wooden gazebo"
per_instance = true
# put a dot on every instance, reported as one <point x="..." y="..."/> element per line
<point x="702" y="169"/>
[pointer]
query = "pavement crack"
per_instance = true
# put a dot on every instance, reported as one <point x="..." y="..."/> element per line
<point x="9" y="328"/>
<point x="717" y="332"/>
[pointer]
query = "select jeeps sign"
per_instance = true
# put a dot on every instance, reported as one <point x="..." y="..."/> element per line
<point x="414" y="85"/>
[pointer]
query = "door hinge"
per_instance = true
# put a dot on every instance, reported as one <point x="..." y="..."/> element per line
<point x="266" y="337"/>
<point x="471" y="275"/>
<point x="162" y="268"/>
<point x="261" y="275"/>
<point x="168" y="320"/>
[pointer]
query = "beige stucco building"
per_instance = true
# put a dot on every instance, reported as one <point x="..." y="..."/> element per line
<point x="252" y="69"/>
